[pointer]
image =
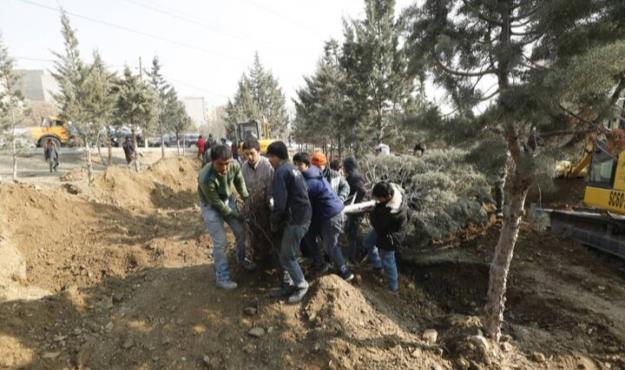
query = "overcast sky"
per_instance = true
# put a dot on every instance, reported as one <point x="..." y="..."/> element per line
<point x="204" y="46"/>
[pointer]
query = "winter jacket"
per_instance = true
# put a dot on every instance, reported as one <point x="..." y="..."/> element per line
<point x="337" y="182"/>
<point x="355" y="181"/>
<point x="215" y="190"/>
<point x="325" y="202"/>
<point x="50" y="153"/>
<point x="129" y="151"/>
<point x="389" y="220"/>
<point x="290" y="198"/>
<point x="201" y="145"/>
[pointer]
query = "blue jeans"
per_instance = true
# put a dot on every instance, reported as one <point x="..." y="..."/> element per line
<point x="353" y="236"/>
<point x="381" y="258"/>
<point x="215" y="224"/>
<point x="330" y="229"/>
<point x="292" y="236"/>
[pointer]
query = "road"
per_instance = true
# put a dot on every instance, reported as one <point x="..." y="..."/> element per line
<point x="32" y="168"/>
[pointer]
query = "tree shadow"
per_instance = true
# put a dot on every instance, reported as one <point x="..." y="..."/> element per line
<point x="165" y="197"/>
<point x="156" y="318"/>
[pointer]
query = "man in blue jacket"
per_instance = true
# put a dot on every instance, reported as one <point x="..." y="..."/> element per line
<point x="327" y="217"/>
<point x="290" y="215"/>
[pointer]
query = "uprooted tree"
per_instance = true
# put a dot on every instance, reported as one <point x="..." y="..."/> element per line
<point x="11" y="102"/>
<point x="533" y="61"/>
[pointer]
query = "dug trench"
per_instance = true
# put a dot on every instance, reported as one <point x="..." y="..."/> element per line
<point x="119" y="276"/>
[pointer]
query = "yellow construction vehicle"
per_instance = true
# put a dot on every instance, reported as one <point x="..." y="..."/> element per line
<point x="256" y="129"/>
<point x="601" y="224"/>
<point x="60" y="131"/>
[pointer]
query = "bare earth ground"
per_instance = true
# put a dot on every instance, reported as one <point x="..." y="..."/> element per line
<point x="119" y="276"/>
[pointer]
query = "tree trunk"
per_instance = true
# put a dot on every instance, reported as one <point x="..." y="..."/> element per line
<point x="340" y="147"/>
<point x="97" y="144"/>
<point x="134" y="143"/>
<point x="13" y="145"/>
<point x="162" y="146"/>
<point x="500" y="266"/>
<point x="89" y="162"/>
<point x="178" y="144"/>
<point x="110" y="148"/>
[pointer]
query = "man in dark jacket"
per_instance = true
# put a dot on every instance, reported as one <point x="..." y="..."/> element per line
<point x="291" y="214"/>
<point x="129" y="151"/>
<point x="389" y="219"/>
<point x="51" y="155"/>
<point x="327" y="217"/>
<point x="357" y="194"/>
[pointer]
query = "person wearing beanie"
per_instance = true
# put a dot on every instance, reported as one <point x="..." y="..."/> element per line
<point x="357" y="193"/>
<point x="327" y="217"/>
<point x="291" y="215"/>
<point x="334" y="178"/>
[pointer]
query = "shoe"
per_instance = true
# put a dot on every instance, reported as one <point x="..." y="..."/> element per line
<point x="282" y="292"/>
<point x="247" y="265"/>
<point x="347" y="275"/>
<point x="298" y="295"/>
<point x="393" y="291"/>
<point x="227" y="284"/>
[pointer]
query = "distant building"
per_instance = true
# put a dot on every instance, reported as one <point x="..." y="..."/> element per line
<point x="215" y="123"/>
<point x="38" y="85"/>
<point x="196" y="109"/>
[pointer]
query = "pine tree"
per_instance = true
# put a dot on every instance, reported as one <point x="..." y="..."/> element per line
<point x="161" y="87"/>
<point x="537" y="53"/>
<point x="134" y="104"/>
<point x="258" y="97"/>
<point x="319" y="106"/>
<point x="72" y="76"/>
<point x="11" y="102"/>
<point x="377" y="82"/>
<point x="100" y="103"/>
<point x="175" y="115"/>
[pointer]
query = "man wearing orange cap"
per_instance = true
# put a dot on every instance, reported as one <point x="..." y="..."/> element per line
<point x="336" y="180"/>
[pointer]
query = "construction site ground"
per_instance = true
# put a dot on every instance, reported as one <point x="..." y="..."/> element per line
<point x="119" y="275"/>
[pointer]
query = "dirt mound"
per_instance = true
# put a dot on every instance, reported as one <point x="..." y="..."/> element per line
<point x="169" y="184"/>
<point x="349" y="323"/>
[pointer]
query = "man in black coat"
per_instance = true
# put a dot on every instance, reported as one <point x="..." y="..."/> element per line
<point x="389" y="219"/>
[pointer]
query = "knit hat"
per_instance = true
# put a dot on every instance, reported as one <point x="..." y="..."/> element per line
<point x="278" y="148"/>
<point x="318" y="159"/>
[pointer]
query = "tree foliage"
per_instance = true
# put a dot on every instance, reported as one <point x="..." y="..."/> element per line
<point x="362" y="91"/>
<point x="529" y="61"/>
<point x="258" y="97"/>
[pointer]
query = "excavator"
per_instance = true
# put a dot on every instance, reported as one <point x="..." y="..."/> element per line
<point x="601" y="222"/>
<point x="256" y="129"/>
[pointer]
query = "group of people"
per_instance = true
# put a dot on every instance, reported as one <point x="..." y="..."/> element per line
<point x="289" y="208"/>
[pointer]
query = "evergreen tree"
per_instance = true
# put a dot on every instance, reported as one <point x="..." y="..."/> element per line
<point x="540" y="55"/>
<point x="161" y="87"/>
<point x="377" y="81"/>
<point x="11" y="102"/>
<point x="175" y="115"/>
<point x="134" y="104"/>
<point x="258" y="97"/>
<point x="319" y="106"/>
<point x="100" y="103"/>
<point x="72" y="76"/>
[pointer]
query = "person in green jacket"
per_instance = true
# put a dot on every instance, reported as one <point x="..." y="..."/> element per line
<point x="218" y="204"/>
